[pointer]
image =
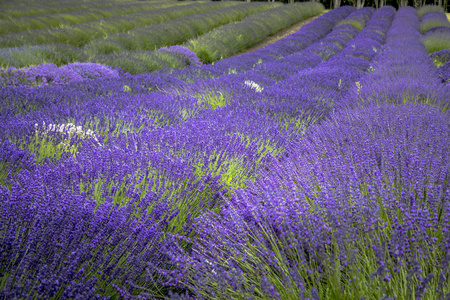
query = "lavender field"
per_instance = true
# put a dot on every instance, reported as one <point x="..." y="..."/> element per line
<point x="316" y="167"/>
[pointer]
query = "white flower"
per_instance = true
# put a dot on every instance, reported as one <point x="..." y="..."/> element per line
<point x="253" y="85"/>
<point x="69" y="128"/>
<point x="212" y="271"/>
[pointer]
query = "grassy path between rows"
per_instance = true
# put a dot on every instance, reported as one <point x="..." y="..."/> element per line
<point x="281" y="34"/>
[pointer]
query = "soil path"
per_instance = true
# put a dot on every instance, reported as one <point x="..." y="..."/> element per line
<point x="279" y="35"/>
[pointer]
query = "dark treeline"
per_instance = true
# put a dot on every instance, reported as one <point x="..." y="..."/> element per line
<point x="330" y="4"/>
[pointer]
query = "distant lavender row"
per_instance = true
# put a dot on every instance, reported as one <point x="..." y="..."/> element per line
<point x="175" y="31"/>
<point x="116" y="51"/>
<point x="80" y="34"/>
<point x="94" y="12"/>
<point x="235" y="37"/>
<point x="308" y="34"/>
<point x="433" y="19"/>
<point x="436" y="29"/>
<point x="312" y="81"/>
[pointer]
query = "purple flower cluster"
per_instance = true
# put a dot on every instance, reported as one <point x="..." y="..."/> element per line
<point x="50" y="74"/>
<point x="59" y="243"/>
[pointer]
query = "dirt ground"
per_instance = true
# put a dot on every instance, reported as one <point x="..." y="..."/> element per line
<point x="281" y="34"/>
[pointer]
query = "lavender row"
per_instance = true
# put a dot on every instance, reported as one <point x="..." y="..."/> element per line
<point x="436" y="29"/>
<point x="281" y="68"/>
<point x="311" y="81"/>
<point x="328" y="47"/>
<point x="46" y="74"/>
<point x="403" y="72"/>
<point x="357" y="207"/>
<point x="308" y="34"/>
<point x="70" y="243"/>
<point x="433" y="19"/>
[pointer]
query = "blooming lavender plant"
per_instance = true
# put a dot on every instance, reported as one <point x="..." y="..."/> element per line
<point x="184" y="53"/>
<point x="50" y="74"/>
<point x="92" y="70"/>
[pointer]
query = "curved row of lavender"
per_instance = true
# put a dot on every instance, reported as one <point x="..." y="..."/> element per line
<point x="276" y="181"/>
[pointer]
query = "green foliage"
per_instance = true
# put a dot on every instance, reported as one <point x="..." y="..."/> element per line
<point x="25" y="56"/>
<point x="436" y="42"/>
